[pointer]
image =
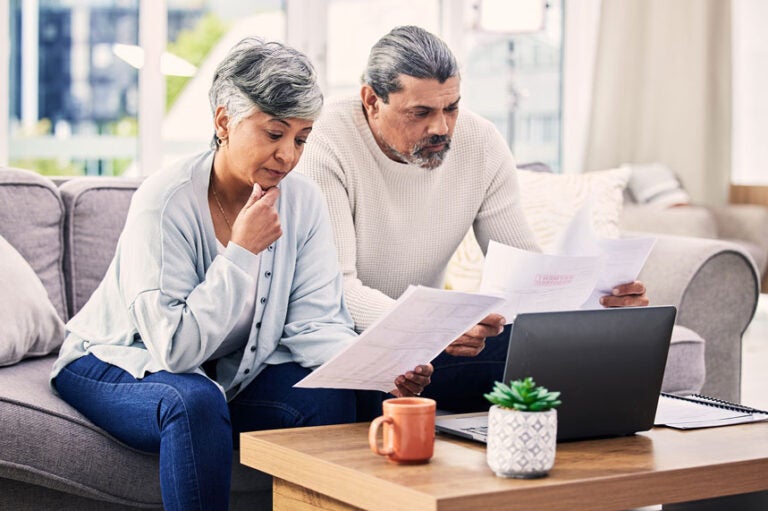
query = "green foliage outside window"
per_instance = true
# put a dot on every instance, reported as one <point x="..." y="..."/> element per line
<point x="193" y="45"/>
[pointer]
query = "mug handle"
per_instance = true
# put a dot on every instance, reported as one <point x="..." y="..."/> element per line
<point x="372" y="432"/>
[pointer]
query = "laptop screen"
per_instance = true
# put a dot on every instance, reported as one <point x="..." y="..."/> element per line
<point x="608" y="365"/>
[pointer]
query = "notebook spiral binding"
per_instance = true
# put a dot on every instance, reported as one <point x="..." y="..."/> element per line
<point x="717" y="403"/>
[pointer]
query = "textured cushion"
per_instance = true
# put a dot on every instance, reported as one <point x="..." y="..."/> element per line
<point x="549" y="202"/>
<point x="465" y="269"/>
<point x="31" y="325"/>
<point x="96" y="211"/>
<point x="31" y="218"/>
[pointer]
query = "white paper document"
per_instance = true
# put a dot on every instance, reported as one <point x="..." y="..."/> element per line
<point x="622" y="258"/>
<point x="584" y="268"/>
<point x="534" y="282"/>
<point x="423" y="322"/>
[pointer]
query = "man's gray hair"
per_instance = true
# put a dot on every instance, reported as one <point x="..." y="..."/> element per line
<point x="269" y="76"/>
<point x="411" y="51"/>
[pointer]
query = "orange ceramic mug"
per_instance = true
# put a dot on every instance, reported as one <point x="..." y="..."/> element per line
<point x="409" y="430"/>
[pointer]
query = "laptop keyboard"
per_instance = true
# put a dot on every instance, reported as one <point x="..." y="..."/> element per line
<point x="476" y="430"/>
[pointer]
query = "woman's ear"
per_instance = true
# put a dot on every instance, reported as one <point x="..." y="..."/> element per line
<point x="370" y="101"/>
<point x="221" y="122"/>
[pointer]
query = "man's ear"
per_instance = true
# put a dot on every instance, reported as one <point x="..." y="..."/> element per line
<point x="370" y="100"/>
<point x="221" y="122"/>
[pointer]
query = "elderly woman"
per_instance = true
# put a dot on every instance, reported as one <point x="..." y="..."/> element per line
<point x="224" y="291"/>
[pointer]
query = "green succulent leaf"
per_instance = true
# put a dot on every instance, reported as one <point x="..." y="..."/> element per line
<point x="523" y="395"/>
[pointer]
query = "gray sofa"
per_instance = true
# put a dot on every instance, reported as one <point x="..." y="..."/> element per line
<point x="51" y="457"/>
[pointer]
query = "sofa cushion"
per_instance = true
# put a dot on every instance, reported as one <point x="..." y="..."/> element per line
<point x="680" y="221"/>
<point x="31" y="219"/>
<point x="46" y="442"/>
<point x="96" y="211"/>
<point x="31" y="325"/>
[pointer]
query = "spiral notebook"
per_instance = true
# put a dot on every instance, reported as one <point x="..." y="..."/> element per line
<point x="697" y="411"/>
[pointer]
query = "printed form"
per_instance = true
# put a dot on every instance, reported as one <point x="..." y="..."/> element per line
<point x="423" y="322"/>
<point x="534" y="282"/>
<point x="584" y="268"/>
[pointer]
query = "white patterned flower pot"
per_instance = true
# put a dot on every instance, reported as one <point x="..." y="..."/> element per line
<point x="521" y="444"/>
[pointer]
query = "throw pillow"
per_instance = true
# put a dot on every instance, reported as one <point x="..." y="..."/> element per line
<point x="29" y="323"/>
<point x="655" y="184"/>
<point x="549" y="202"/>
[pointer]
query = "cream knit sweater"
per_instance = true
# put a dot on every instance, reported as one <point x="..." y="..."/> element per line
<point x="397" y="224"/>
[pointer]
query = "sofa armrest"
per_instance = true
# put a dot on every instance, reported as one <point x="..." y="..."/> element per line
<point x="680" y="221"/>
<point x="714" y="285"/>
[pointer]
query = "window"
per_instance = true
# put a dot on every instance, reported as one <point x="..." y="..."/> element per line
<point x="72" y="105"/>
<point x="76" y="72"/>
<point x="514" y="80"/>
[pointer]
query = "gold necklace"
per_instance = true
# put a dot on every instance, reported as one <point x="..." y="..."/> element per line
<point x="221" y="208"/>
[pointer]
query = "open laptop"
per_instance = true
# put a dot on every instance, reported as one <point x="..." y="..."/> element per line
<point x="608" y="365"/>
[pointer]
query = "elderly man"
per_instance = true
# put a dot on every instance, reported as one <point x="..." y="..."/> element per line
<point x="405" y="174"/>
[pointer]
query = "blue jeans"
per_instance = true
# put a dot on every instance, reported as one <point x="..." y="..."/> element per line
<point x="458" y="383"/>
<point x="185" y="418"/>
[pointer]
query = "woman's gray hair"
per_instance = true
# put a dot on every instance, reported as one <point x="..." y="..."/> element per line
<point x="411" y="51"/>
<point x="269" y="76"/>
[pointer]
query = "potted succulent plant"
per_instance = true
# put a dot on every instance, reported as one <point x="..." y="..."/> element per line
<point x="522" y="429"/>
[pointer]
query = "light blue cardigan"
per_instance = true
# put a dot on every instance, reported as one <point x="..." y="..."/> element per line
<point x="167" y="300"/>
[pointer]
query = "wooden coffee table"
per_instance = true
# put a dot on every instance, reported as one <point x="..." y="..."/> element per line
<point x="332" y="468"/>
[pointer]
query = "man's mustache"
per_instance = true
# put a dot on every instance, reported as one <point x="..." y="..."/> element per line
<point x="433" y="140"/>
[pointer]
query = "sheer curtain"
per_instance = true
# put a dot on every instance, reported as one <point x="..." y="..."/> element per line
<point x="582" y="23"/>
<point x="750" y="83"/>
<point x="662" y="91"/>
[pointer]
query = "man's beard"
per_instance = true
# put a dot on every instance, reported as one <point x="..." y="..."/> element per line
<point x="420" y="157"/>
